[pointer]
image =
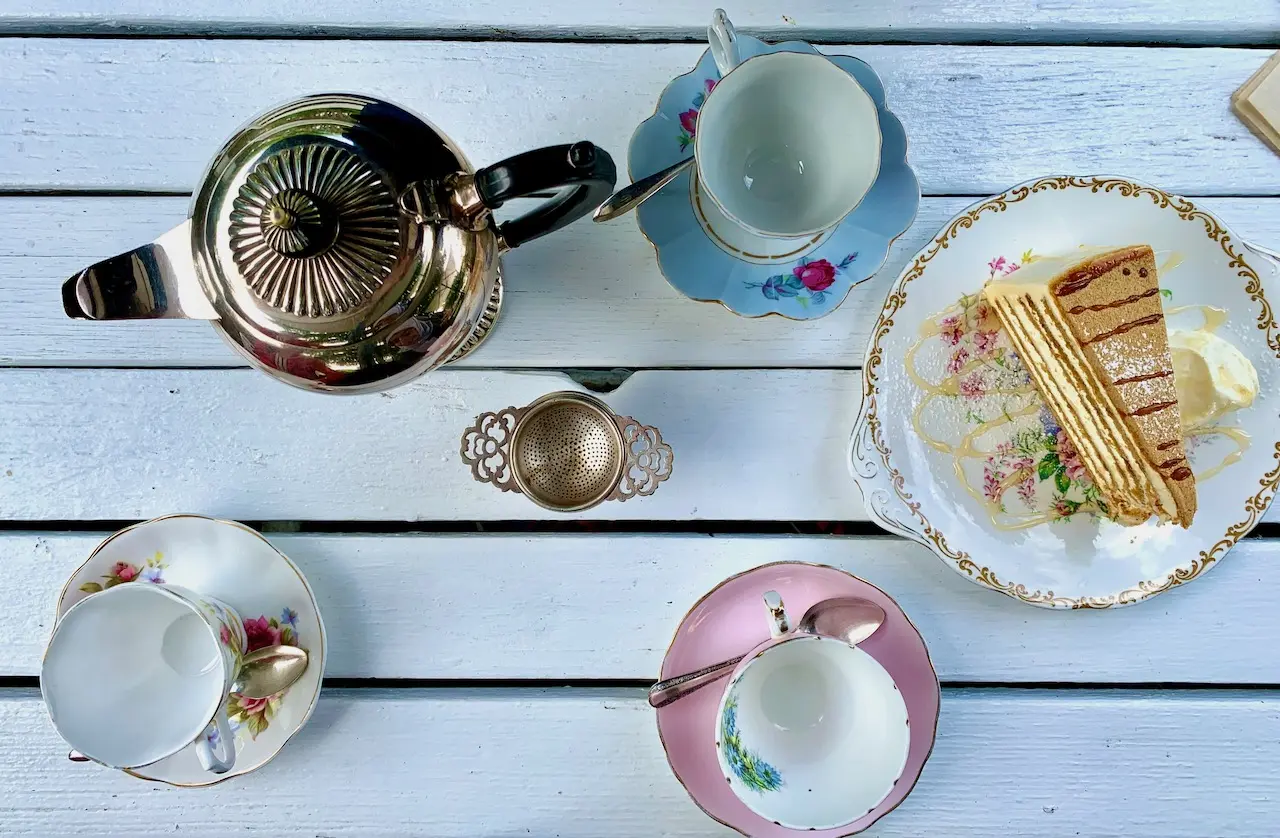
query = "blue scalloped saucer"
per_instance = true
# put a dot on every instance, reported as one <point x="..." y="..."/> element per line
<point x="707" y="258"/>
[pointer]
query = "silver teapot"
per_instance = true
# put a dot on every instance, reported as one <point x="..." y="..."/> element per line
<point x="343" y="244"/>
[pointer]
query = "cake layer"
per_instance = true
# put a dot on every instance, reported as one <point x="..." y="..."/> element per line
<point x="1111" y="303"/>
<point x="1074" y="396"/>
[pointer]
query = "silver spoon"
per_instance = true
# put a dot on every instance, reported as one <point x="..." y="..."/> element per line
<point x="629" y="197"/>
<point x="263" y="673"/>
<point x="851" y="619"/>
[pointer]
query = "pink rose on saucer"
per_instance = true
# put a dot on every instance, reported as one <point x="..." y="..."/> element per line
<point x="816" y="275"/>
<point x="261" y="633"/>
<point x="124" y="571"/>
<point x="252" y="706"/>
<point x="689" y="120"/>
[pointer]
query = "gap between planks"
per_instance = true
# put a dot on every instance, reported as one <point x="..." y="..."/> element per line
<point x="1188" y="38"/>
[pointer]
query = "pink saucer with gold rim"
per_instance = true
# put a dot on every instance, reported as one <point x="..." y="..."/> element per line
<point x="726" y="623"/>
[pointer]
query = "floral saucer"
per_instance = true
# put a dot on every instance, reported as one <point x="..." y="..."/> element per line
<point x="727" y="622"/>
<point x="230" y="562"/>
<point x="954" y="449"/>
<point x="705" y="256"/>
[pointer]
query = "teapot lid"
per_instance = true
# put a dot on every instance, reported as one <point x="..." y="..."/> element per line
<point x="313" y="267"/>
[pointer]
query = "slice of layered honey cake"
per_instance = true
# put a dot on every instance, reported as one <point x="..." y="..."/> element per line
<point x="1090" y="330"/>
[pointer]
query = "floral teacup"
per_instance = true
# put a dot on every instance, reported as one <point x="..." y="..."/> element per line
<point x="159" y="647"/>
<point x="811" y="733"/>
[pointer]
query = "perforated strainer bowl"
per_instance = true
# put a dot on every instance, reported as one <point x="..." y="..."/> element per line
<point x="567" y="452"/>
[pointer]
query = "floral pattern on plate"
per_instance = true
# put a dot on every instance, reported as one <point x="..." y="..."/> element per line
<point x="910" y="485"/>
<point x="1030" y="470"/>
<point x="807" y="283"/>
<point x="689" y="118"/>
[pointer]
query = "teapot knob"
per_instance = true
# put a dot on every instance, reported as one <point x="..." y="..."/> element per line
<point x="296" y="223"/>
<point x="314" y="231"/>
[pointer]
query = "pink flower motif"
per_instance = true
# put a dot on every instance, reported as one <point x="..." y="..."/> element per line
<point x="689" y="120"/>
<point x="816" y="275"/>
<point x="984" y="342"/>
<point x="1070" y="457"/>
<point x="952" y="330"/>
<point x="261" y="633"/>
<point x="1064" y="508"/>
<point x="1027" y="491"/>
<point x="225" y="636"/>
<point x="990" y="484"/>
<point x="124" y="571"/>
<point x="958" y="359"/>
<point x="253" y="706"/>
<point x="1001" y="265"/>
<point x="971" y="385"/>
<point x="711" y="85"/>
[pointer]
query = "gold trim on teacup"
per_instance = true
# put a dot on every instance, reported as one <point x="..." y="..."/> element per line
<point x="324" y="644"/>
<point x="1254" y="507"/>
<point x="695" y="199"/>
<point x="928" y="661"/>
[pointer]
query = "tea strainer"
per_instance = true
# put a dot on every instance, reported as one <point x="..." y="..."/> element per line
<point x="567" y="452"/>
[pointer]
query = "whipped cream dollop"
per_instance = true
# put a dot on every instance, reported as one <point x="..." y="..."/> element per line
<point x="1212" y="376"/>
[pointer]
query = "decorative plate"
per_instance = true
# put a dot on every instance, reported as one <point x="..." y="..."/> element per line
<point x="995" y="489"/>
<point x="235" y="564"/>
<point x="765" y="277"/>
<point x="729" y="621"/>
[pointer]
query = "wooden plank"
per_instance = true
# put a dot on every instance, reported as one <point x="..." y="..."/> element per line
<point x="148" y="114"/>
<point x="605" y="606"/>
<point x="623" y="314"/>
<point x="239" y="444"/>
<point x="588" y="763"/>
<point x="763" y="445"/>
<point x="1165" y="21"/>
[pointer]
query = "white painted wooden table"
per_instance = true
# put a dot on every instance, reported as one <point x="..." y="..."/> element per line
<point x="453" y="636"/>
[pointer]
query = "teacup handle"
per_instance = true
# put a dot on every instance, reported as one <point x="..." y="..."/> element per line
<point x="723" y="39"/>
<point x="779" y="624"/>
<point x="222" y="758"/>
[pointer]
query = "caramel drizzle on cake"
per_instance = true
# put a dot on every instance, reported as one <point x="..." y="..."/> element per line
<point x="1094" y="340"/>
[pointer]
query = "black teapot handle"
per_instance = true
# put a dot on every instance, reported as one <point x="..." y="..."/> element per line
<point x="583" y="173"/>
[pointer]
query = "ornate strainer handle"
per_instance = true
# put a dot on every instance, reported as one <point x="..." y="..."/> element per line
<point x="647" y="460"/>
<point x="486" y="447"/>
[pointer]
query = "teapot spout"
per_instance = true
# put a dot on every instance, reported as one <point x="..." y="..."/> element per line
<point x="156" y="280"/>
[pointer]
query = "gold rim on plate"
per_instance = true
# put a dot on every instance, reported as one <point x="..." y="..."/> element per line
<point x="1254" y="507"/>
